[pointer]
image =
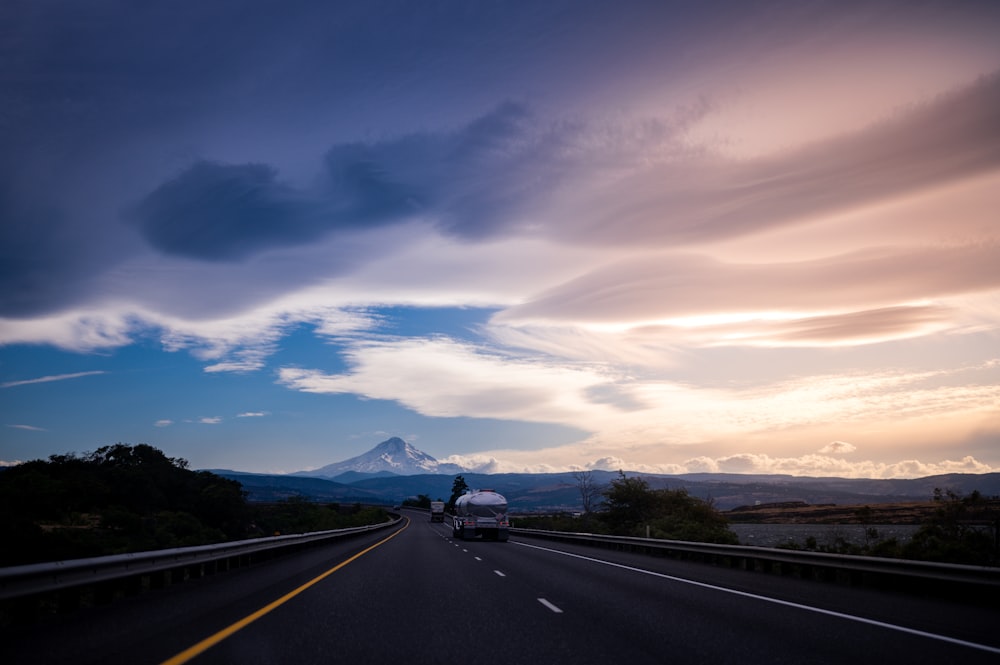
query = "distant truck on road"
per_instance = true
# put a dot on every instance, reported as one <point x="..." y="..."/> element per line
<point x="437" y="511"/>
<point x="481" y="513"/>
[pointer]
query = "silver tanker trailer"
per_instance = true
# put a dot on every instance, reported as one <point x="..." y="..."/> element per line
<point x="481" y="513"/>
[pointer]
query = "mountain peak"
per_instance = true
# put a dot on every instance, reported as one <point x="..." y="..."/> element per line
<point x="393" y="444"/>
<point x="394" y="455"/>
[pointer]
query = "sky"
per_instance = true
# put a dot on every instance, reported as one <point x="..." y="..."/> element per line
<point x="669" y="237"/>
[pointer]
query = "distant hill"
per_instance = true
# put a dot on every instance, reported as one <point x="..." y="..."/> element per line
<point x="394" y="470"/>
<point x="261" y="487"/>
<point x="559" y="491"/>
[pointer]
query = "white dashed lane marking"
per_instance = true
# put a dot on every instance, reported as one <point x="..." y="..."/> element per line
<point x="550" y="606"/>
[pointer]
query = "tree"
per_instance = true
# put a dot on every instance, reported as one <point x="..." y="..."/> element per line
<point x="458" y="488"/>
<point x="590" y="491"/>
<point x="629" y="502"/>
<point x="681" y="516"/>
<point x="963" y="529"/>
<point x="422" y="501"/>
<point x="633" y="507"/>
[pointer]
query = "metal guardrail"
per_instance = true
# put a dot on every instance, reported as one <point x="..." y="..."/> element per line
<point x="822" y="565"/>
<point x="41" y="578"/>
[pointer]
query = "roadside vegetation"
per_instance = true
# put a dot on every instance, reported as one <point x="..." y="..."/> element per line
<point x="124" y="498"/>
<point x="959" y="529"/>
<point x="956" y="529"/>
<point x="299" y="515"/>
<point x="631" y="508"/>
<point x="422" y="501"/>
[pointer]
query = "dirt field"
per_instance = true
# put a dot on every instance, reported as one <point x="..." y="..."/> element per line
<point x="872" y="513"/>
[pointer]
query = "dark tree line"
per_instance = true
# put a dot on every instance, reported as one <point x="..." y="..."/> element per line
<point x="124" y="498"/>
<point x="422" y="501"/>
<point x="297" y="514"/>
<point x="117" y="499"/>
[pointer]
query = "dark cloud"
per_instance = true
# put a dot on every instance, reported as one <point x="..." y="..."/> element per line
<point x="490" y="135"/>
<point x="214" y="211"/>
<point x="363" y="190"/>
<point x="493" y="172"/>
<point x="493" y="176"/>
<point x="228" y="212"/>
<point x="48" y="258"/>
<point x="102" y="102"/>
<point x="470" y="183"/>
<point x="473" y="183"/>
<point x="92" y="71"/>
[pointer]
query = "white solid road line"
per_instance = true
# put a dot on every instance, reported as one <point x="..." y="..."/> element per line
<point x="849" y="617"/>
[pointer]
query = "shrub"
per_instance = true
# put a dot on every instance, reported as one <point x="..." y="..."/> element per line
<point x="632" y="506"/>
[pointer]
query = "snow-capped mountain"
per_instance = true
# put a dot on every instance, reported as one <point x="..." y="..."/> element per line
<point x="393" y="456"/>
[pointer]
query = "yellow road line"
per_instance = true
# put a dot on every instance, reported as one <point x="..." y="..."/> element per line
<point x="212" y="640"/>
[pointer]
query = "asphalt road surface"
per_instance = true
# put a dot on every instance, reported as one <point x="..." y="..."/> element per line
<point x="414" y="595"/>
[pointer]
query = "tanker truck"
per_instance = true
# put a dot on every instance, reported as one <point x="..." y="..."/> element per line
<point x="481" y="513"/>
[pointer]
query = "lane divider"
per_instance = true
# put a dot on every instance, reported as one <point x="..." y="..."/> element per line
<point x="212" y="640"/>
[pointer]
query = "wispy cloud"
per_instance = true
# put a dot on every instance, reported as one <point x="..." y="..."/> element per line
<point x="252" y="414"/>
<point x="468" y="380"/>
<point x="473" y="382"/>
<point x="711" y="198"/>
<point x="165" y="422"/>
<point x="47" y="379"/>
<point x="838" y="447"/>
<point x="857" y="297"/>
<point x="825" y="465"/>
<point x="214" y="420"/>
<point x="30" y="428"/>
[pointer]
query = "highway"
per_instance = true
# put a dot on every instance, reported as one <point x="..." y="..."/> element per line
<point x="415" y="595"/>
